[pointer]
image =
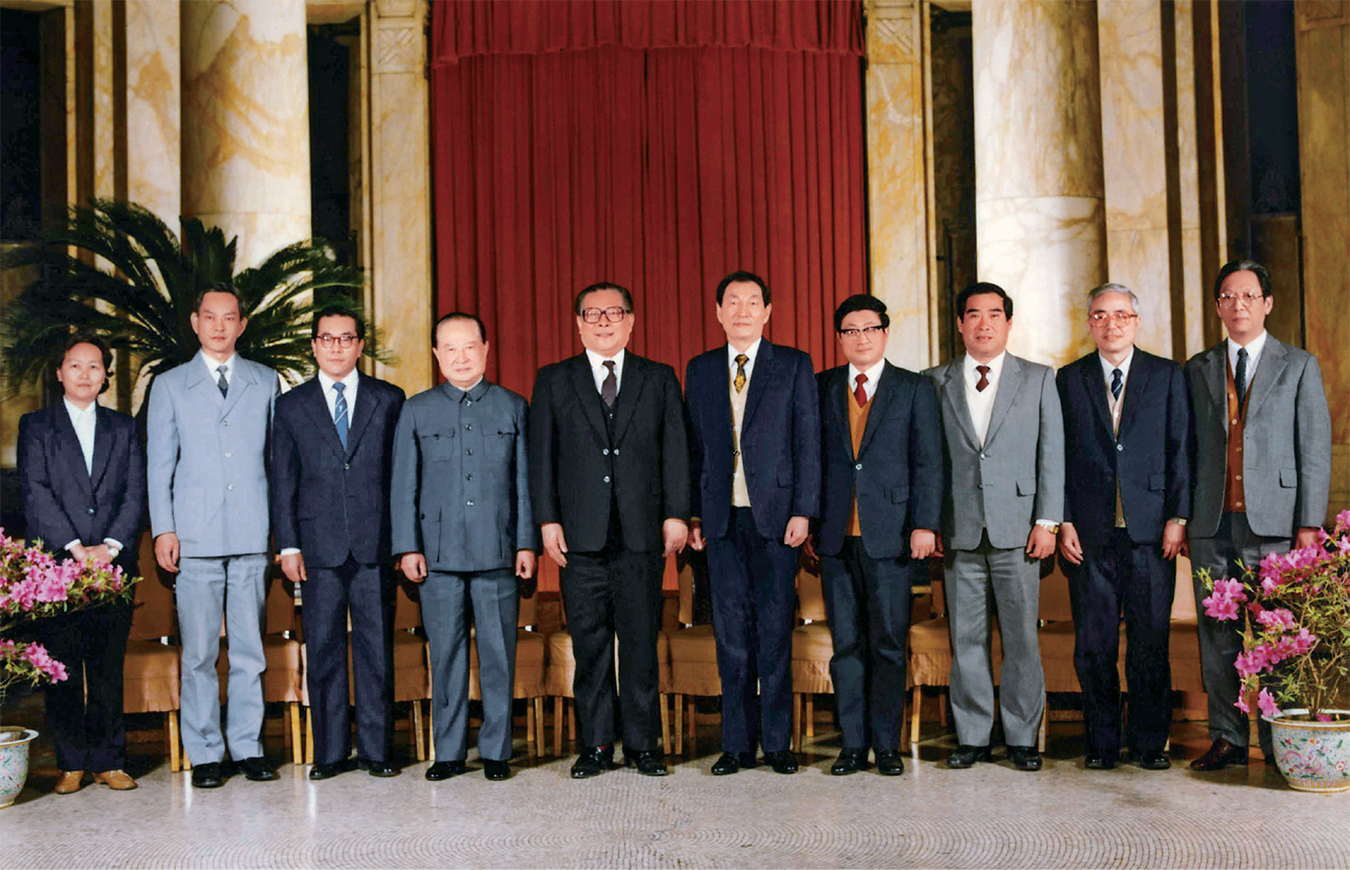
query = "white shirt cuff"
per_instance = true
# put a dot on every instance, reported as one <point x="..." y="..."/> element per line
<point x="72" y="544"/>
<point x="289" y="551"/>
<point x="1047" y="524"/>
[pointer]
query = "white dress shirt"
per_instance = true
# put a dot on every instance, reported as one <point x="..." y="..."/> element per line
<point x="349" y="391"/>
<point x="752" y="352"/>
<point x="981" y="402"/>
<point x="83" y="422"/>
<point x="870" y="385"/>
<point x="1111" y="402"/>
<point x="212" y="366"/>
<point x="1254" y="348"/>
<point x="600" y="372"/>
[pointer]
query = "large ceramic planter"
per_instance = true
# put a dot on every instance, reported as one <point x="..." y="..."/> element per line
<point x="14" y="766"/>
<point x="1313" y="756"/>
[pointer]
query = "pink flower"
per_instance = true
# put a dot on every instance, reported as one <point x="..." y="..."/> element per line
<point x="1304" y="641"/>
<point x="1323" y="717"/>
<point x="1253" y="662"/>
<point x="1220" y="607"/>
<point x="36" y="654"/>
<point x="1267" y="703"/>
<point x="1242" y="703"/>
<point x="1277" y="618"/>
<point x="1343" y="519"/>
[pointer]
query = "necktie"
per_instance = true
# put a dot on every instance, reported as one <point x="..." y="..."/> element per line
<point x="739" y="382"/>
<point x="1240" y="376"/>
<point x="1115" y="383"/>
<point x="984" y="378"/>
<point x="609" y="388"/>
<point x="221" y="382"/>
<point x="858" y="392"/>
<point x="340" y="413"/>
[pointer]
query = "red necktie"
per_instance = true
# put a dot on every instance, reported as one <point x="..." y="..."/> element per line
<point x="984" y="378"/>
<point x="858" y="392"/>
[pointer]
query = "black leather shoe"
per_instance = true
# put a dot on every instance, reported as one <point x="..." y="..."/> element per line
<point x="782" y="762"/>
<point x="1220" y="755"/>
<point x="849" y="761"/>
<point x="889" y="763"/>
<point x="594" y="761"/>
<point x="1099" y="761"/>
<point x="1024" y="757"/>
<point x="445" y="769"/>
<point x="496" y="771"/>
<point x="731" y="762"/>
<point x="256" y="769"/>
<point x="328" y="771"/>
<point x="966" y="756"/>
<point x="209" y="775"/>
<point x="379" y="768"/>
<point x="1152" y="759"/>
<point x="649" y="762"/>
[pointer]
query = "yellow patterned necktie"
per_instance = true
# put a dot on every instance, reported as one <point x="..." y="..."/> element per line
<point x="739" y="382"/>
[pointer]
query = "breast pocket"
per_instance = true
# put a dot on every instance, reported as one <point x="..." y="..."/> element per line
<point x="436" y="446"/>
<point x="499" y="439"/>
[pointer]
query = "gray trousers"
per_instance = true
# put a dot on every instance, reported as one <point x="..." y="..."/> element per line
<point x="446" y="601"/>
<point x="1014" y="578"/>
<point x="1220" y="642"/>
<point x="207" y="587"/>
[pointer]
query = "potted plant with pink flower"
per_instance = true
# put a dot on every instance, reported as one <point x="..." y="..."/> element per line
<point x="1295" y="615"/>
<point x="34" y="585"/>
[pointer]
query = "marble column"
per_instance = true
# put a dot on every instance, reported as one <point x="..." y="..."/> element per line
<point x="154" y="95"/>
<point x="899" y="168"/>
<point x="1040" y="218"/>
<point x="400" y="189"/>
<point x="1190" y="295"/>
<point x="246" y="122"/>
<point x="1322" y="52"/>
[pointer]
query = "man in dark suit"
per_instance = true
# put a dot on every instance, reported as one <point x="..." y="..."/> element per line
<point x="333" y="439"/>
<point x="754" y="423"/>
<point x="1126" y="501"/>
<point x="880" y="505"/>
<point x="609" y="470"/>
<point x="463" y="528"/>
<point x="1262" y="475"/>
<point x="82" y="475"/>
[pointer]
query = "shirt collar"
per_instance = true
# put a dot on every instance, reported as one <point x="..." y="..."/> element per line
<point x="474" y="392"/>
<point x="349" y="381"/>
<point x="873" y="375"/>
<point x="77" y="415"/>
<point x="995" y="366"/>
<point x="1124" y="364"/>
<point x="1253" y="347"/>
<point x="212" y="365"/>
<point x="752" y="352"/>
<point x="598" y="362"/>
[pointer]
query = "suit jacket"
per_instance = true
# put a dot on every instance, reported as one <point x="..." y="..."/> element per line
<point x="577" y="469"/>
<point x="460" y="491"/>
<point x="780" y="439"/>
<point x="1286" y="455"/>
<point x="1017" y="477"/>
<point x="328" y="501"/>
<point x="897" y="473"/>
<point x="63" y="501"/>
<point x="206" y="458"/>
<point x="1150" y="457"/>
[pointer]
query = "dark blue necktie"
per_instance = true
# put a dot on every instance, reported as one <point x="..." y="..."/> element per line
<point x="1116" y="383"/>
<point x="340" y="413"/>
<point x="221" y="382"/>
<point x="1240" y="376"/>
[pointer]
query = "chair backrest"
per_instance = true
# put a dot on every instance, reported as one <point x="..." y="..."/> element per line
<point x="1055" y="605"/>
<point x="407" y="611"/>
<point x="528" y="613"/>
<point x="1183" y="600"/>
<point x="686" y="582"/>
<point x="810" y="595"/>
<point x="153" y="614"/>
<point x="281" y="615"/>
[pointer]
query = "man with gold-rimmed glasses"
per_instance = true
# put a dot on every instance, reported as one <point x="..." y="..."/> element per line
<point x="1126" y="503"/>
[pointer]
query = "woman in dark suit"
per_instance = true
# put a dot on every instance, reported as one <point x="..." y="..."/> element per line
<point x="83" y="478"/>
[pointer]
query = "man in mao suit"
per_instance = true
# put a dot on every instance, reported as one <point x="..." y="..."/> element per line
<point x="1127" y="499"/>
<point x="880" y="506"/>
<point x="332" y="444"/>
<point x="463" y="529"/>
<point x="208" y="429"/>
<point x="1262" y="475"/>
<point x="82" y="475"/>
<point x="609" y="469"/>
<point x="1004" y="499"/>
<point x="754" y="422"/>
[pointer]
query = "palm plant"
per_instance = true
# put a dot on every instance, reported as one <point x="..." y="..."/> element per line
<point x="131" y="282"/>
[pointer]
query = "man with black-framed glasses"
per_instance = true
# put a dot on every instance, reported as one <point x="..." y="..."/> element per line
<point x="1126" y="503"/>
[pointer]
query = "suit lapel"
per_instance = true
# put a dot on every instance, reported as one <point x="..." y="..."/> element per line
<point x="584" y="384"/>
<point x="837" y="397"/>
<point x="1008" y="384"/>
<point x="199" y="379"/>
<point x="69" y="443"/>
<point x="630" y="392"/>
<point x="367" y="402"/>
<point x="759" y="382"/>
<point x="1274" y="357"/>
<point x="954" y="394"/>
<point x="1135" y="387"/>
<point x="1096" y="390"/>
<point x="240" y="380"/>
<point x="103" y="438"/>
<point x="881" y="400"/>
<point x="1214" y="372"/>
<point x="316" y="407"/>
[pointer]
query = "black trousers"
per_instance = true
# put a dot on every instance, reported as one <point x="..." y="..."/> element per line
<point x="84" y="711"/>
<point x="615" y="592"/>
<point x="1134" y="579"/>
<point x="868" y="603"/>
<point x="368" y="591"/>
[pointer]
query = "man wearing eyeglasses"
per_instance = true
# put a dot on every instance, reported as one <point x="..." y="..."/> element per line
<point x="880" y="505"/>
<point x="332" y="447"/>
<point x="609" y="475"/>
<point x="1262" y="476"/>
<point x="1127" y="500"/>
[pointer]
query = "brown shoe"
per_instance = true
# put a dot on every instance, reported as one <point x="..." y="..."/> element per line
<point x="69" y="781"/>
<point x="117" y="780"/>
<point x="1220" y="755"/>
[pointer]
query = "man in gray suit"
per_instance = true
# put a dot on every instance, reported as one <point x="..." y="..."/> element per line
<point x="462" y="527"/>
<point x="207" y="434"/>
<point x="1262" y="473"/>
<point x="1004" y="445"/>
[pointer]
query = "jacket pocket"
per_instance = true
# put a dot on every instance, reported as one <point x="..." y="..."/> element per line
<point x="1289" y="477"/>
<point x="436" y="446"/>
<point x="1157" y="482"/>
<point x="785" y="478"/>
<point x="1026" y="486"/>
<point x="899" y="495"/>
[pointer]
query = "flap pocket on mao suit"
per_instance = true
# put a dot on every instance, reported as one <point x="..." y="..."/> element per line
<point x="1026" y="486"/>
<point x="1157" y="482"/>
<point x="437" y="446"/>
<point x="1289" y="477"/>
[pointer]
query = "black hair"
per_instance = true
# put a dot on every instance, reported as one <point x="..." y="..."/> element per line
<point x="603" y="285"/>
<point x="459" y="315"/>
<point x="979" y="288"/>
<point x="739" y="277"/>
<point x="860" y="302"/>
<point x="218" y="287"/>
<point x="1244" y="265"/>
<point x="338" y="310"/>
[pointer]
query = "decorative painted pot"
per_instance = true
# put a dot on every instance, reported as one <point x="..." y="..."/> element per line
<point x="1312" y="756"/>
<point x="14" y="766"/>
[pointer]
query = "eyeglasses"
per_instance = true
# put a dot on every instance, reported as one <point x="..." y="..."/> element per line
<point x="613" y="315"/>
<point x="1228" y="300"/>
<point x="344" y="341"/>
<point x="1119" y="318"/>
<point x="869" y="331"/>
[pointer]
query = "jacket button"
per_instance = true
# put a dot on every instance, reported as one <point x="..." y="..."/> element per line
<point x="468" y="427"/>
<point x="604" y="452"/>
<point x="227" y="456"/>
<point x="979" y="486"/>
<point x="469" y="503"/>
<point x="858" y="467"/>
<point x="468" y="477"/>
<point x="91" y="511"/>
<point x="468" y="452"/>
<point x="606" y="478"/>
<point x="1120" y="447"/>
<point x="230" y="487"/>
<point x="984" y="456"/>
<point x="616" y="451"/>
<point x="346" y="466"/>
<point x="225" y="422"/>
